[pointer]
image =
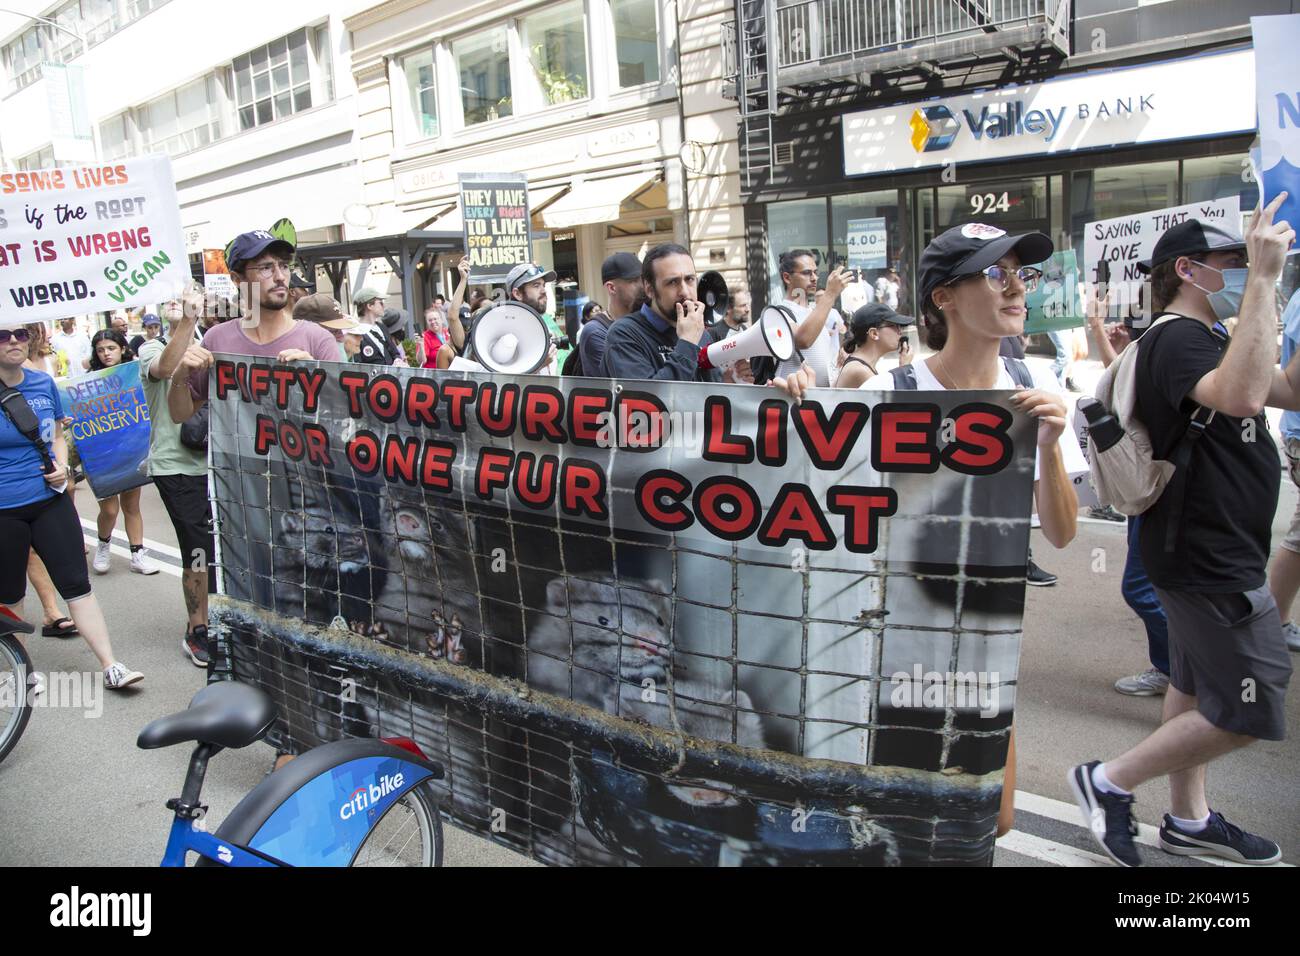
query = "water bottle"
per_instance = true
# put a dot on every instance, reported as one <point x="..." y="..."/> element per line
<point x="1103" y="427"/>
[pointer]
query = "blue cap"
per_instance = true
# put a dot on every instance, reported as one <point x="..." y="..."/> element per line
<point x="151" y="319"/>
<point x="250" y="245"/>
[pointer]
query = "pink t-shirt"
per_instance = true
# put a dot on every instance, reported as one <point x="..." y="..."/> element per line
<point x="229" y="337"/>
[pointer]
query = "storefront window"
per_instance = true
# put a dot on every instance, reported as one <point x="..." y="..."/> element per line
<point x="1018" y="205"/>
<point x="888" y="208"/>
<point x="636" y="40"/>
<point x="1217" y="177"/>
<point x="422" y="100"/>
<point x="800" y="224"/>
<point x="483" y="63"/>
<point x="1120" y="191"/>
<point x="556" y="43"/>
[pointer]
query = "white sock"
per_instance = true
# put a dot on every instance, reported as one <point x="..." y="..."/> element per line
<point x="1102" y="782"/>
<point x="1191" y="826"/>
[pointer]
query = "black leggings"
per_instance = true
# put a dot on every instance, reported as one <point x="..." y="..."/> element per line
<point x="53" y="529"/>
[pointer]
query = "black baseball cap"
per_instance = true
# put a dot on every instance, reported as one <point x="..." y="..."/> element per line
<point x="874" y="314"/>
<point x="299" y="282"/>
<point x="250" y="245"/>
<point x="621" y="265"/>
<point x="1191" y="238"/>
<point x="972" y="248"/>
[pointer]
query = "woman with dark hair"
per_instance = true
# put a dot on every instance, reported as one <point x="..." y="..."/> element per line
<point x="107" y="349"/>
<point x="36" y="513"/>
<point x="874" y="331"/>
<point x="973" y="280"/>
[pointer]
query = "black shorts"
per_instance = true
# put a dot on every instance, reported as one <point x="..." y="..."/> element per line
<point x="1228" y="651"/>
<point x="52" y="529"/>
<point x="186" y="499"/>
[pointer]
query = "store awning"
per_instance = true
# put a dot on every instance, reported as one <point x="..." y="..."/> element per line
<point x="597" y="200"/>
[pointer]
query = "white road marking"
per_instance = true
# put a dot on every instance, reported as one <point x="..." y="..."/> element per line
<point x="1058" y="854"/>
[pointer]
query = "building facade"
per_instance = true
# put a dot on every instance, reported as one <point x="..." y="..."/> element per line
<point x="579" y="95"/>
<point x="255" y="104"/>
<point x="1026" y="114"/>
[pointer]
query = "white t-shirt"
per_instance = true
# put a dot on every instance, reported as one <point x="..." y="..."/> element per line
<point x="1040" y="372"/>
<point x="821" y="354"/>
<point x="75" y="346"/>
<point x="887" y="291"/>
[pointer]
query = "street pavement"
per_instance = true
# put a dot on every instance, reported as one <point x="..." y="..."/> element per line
<point x="77" y="791"/>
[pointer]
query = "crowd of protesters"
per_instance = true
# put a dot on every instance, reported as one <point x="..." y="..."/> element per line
<point x="1209" y="605"/>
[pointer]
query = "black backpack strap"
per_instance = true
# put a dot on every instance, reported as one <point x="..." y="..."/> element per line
<point x="904" y="378"/>
<point x="23" y="417"/>
<point x="1018" y="371"/>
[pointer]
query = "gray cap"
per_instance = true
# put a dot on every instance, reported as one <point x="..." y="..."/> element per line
<point x="366" y="294"/>
<point x="525" y="273"/>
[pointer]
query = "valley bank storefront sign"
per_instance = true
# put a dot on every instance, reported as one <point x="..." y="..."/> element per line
<point x="1183" y="99"/>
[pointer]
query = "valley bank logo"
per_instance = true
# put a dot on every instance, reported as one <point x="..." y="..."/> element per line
<point x="935" y="128"/>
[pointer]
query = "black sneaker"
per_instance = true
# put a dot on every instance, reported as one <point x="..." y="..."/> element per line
<point x="1070" y="386"/>
<point x="1219" y="838"/>
<point x="1037" y="577"/>
<point x="1105" y="513"/>
<point x="1108" y="816"/>
<point x="195" y="645"/>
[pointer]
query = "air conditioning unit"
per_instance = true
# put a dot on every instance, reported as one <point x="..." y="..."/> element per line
<point x="783" y="154"/>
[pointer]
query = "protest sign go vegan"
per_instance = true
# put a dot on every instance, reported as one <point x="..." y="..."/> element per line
<point x="89" y="239"/>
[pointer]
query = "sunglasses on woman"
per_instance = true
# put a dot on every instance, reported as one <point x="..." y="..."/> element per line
<point x="18" y="335"/>
<point x="999" y="278"/>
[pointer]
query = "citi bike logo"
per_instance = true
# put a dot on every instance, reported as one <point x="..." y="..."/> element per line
<point x="933" y="128"/>
<point x="367" y="796"/>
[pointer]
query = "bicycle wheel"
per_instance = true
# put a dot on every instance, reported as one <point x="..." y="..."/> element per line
<point x="408" y="834"/>
<point x="15" y="707"/>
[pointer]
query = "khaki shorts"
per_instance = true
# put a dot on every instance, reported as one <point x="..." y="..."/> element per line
<point x="1292" y="540"/>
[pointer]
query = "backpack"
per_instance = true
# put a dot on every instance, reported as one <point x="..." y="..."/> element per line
<point x="1127" y="476"/>
<point x="905" y="375"/>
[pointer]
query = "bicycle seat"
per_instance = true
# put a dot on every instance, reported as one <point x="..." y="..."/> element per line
<point x="226" y="714"/>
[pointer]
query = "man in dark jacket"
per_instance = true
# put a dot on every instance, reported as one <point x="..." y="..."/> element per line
<point x="662" y="340"/>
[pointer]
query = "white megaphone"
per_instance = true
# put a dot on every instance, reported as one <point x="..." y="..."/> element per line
<point x="771" y="335"/>
<point x="511" y="338"/>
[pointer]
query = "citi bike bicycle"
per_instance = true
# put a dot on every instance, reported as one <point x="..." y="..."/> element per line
<point x="348" y="803"/>
<point x="15" y="675"/>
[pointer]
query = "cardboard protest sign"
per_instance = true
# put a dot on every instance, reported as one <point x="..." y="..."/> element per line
<point x="89" y="239"/>
<point x="647" y="621"/>
<point x="110" y="425"/>
<point x="494" y="207"/>
<point x="868" y="243"/>
<point x="1055" y="304"/>
<point x="1126" y="240"/>
<point x="1277" y="99"/>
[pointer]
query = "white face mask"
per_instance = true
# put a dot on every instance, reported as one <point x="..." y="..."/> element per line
<point x="1225" y="302"/>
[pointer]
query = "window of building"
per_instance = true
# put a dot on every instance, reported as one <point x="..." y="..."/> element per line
<point x="421" y="95"/>
<point x="1215" y="177"/>
<point x="273" y="81"/>
<point x="636" y="40"/>
<point x="41" y="159"/>
<point x="483" y="65"/>
<point x="889" y="205"/>
<point x="184" y="119"/>
<point x="115" y="138"/>
<point x="1120" y="191"/>
<point x="555" y="42"/>
<point x="798" y="224"/>
<point x="24" y="56"/>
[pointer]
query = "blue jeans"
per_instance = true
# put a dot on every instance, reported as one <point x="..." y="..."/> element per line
<point x="1141" y="597"/>
<point x="1062" y="359"/>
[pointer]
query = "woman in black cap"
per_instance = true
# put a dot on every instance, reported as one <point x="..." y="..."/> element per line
<point x="874" y="331"/>
<point x="973" y="281"/>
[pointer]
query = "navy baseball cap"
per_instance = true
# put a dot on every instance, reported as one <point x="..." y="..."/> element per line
<point x="250" y="245"/>
<point x="877" y="313"/>
<point x="1191" y="238"/>
<point x="151" y="319"/>
<point x="621" y="265"/>
<point x="972" y="248"/>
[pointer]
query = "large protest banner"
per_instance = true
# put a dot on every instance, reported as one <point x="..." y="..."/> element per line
<point x="110" y="424"/>
<point x="1125" y="241"/>
<point x="1277" y="102"/>
<point x="89" y="239"/>
<point x="494" y="207"/>
<point x="638" y="621"/>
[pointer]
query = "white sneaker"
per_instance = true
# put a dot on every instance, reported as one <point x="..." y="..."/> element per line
<point x="102" y="554"/>
<point x="118" y="675"/>
<point x="141" y="563"/>
<point x="1150" y="683"/>
<point x="1292" y="634"/>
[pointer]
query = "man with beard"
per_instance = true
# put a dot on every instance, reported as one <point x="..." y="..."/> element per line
<point x="662" y="340"/>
